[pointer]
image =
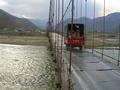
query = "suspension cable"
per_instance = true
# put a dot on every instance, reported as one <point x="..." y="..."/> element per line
<point x="85" y="18"/>
<point x="119" y="48"/>
<point x="53" y="13"/>
<point x="76" y="8"/>
<point x="62" y="27"/>
<point x="94" y="16"/>
<point x="85" y="12"/>
<point x="103" y="28"/>
<point x="61" y="61"/>
<point x="55" y="33"/>
<point x="58" y="45"/>
<point x="81" y="10"/>
<point x="70" y="62"/>
<point x="66" y="10"/>
<point x="58" y="17"/>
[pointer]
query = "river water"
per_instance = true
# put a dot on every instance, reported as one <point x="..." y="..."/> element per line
<point x="26" y="68"/>
<point x="111" y="52"/>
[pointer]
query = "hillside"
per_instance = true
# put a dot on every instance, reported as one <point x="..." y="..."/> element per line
<point x="112" y="23"/>
<point x="39" y="23"/>
<point x="12" y="23"/>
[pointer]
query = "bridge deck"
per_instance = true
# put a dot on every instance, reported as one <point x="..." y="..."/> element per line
<point x="91" y="73"/>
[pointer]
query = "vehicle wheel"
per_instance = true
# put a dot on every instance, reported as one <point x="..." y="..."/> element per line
<point x="67" y="48"/>
<point x="80" y="48"/>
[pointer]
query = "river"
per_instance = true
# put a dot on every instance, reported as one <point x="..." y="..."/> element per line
<point x="26" y="68"/>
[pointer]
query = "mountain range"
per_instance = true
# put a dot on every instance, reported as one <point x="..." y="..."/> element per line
<point x="39" y="23"/>
<point x="12" y="23"/>
<point x="109" y="23"/>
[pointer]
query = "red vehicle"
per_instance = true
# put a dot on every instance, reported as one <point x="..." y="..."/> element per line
<point x="75" y="36"/>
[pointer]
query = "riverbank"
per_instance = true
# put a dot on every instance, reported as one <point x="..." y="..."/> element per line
<point x="19" y="39"/>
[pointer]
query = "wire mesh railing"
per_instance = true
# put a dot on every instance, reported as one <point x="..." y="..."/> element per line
<point x="56" y="26"/>
<point x="102" y="29"/>
<point x="105" y="32"/>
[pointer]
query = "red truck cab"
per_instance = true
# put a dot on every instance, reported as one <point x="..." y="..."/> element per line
<point x="75" y="36"/>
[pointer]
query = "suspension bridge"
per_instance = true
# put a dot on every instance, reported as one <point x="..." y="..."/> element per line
<point x="97" y="66"/>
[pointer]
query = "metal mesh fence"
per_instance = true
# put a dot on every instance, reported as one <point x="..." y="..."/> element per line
<point x="102" y="29"/>
<point x="105" y="34"/>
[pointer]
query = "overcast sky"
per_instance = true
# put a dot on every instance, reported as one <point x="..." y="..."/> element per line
<point x="39" y="8"/>
<point x="26" y="8"/>
<point x="111" y="6"/>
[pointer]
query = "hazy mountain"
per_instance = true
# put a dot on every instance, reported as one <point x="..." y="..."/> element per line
<point x="39" y="23"/>
<point x="12" y="22"/>
<point x="112" y="23"/>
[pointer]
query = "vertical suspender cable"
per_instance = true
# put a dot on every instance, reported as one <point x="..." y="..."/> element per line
<point x="62" y="35"/>
<point x="119" y="48"/>
<point x="85" y="18"/>
<point x="103" y="30"/>
<point x="81" y="11"/>
<point x="94" y="26"/>
<point x="54" y="27"/>
<point x="52" y="21"/>
<point x="58" y="44"/>
<point x="76" y="8"/>
<point x="49" y="17"/>
<point x="85" y="13"/>
<point x="53" y="17"/>
<point x="62" y="28"/>
<point x="56" y="34"/>
<point x="62" y="41"/>
<point x="58" y="27"/>
<point x="70" y="62"/>
<point x="57" y="31"/>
